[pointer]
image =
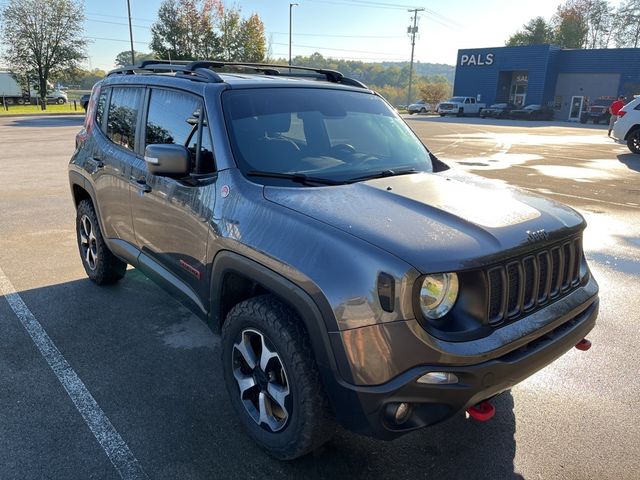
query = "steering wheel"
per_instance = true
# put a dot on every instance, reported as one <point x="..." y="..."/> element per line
<point x="343" y="148"/>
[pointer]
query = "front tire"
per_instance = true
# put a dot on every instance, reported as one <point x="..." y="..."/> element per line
<point x="102" y="266"/>
<point x="460" y="112"/>
<point x="633" y="141"/>
<point x="273" y="380"/>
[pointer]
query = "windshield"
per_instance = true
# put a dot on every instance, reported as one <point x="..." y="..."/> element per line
<point x="456" y="99"/>
<point x="322" y="133"/>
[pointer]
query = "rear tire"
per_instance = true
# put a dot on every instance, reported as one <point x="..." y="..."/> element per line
<point x="633" y="141"/>
<point x="102" y="266"/>
<point x="287" y="425"/>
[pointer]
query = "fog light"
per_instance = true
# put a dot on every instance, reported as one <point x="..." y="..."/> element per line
<point x="439" y="378"/>
<point x="402" y="412"/>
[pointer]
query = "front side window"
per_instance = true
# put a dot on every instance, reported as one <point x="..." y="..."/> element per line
<point x="123" y="115"/>
<point x="333" y="134"/>
<point x="176" y="117"/>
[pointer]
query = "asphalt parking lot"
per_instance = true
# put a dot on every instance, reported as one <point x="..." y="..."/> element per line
<point x="151" y="368"/>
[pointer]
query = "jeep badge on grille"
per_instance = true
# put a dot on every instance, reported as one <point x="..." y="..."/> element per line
<point x="537" y="236"/>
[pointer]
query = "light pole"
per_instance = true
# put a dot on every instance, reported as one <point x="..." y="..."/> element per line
<point x="133" y="53"/>
<point x="291" y="5"/>
<point x="412" y="31"/>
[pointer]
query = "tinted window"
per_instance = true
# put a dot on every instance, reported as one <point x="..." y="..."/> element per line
<point x="174" y="117"/>
<point x="335" y="134"/>
<point x="123" y="114"/>
<point x="102" y="101"/>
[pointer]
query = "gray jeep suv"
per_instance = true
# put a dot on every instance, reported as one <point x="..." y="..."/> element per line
<point x="354" y="278"/>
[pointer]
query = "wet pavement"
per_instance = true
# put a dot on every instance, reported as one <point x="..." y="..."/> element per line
<point x="153" y="370"/>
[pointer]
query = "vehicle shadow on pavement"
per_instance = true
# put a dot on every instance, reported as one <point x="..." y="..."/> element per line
<point x="155" y="371"/>
<point x="48" y="121"/>
<point x="631" y="160"/>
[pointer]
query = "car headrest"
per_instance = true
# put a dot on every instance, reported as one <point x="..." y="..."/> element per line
<point x="277" y="123"/>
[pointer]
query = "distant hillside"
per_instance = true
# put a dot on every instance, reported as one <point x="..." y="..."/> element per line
<point x="427" y="69"/>
<point x="391" y="74"/>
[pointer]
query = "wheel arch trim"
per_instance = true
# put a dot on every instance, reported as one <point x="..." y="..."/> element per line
<point x="318" y="319"/>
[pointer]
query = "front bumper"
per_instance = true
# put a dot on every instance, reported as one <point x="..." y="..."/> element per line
<point x="369" y="409"/>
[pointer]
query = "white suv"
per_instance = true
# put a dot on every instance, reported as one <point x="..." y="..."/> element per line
<point x="627" y="127"/>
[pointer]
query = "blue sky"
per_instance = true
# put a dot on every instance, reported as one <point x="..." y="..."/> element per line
<point x="337" y="28"/>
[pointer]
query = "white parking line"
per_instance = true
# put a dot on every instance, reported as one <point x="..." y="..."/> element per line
<point x="109" y="439"/>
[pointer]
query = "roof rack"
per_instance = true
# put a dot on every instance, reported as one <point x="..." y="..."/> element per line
<point x="202" y="70"/>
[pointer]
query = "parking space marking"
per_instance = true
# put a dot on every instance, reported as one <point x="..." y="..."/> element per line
<point x="105" y="433"/>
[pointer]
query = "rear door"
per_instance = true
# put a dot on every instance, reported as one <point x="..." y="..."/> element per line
<point x="117" y="115"/>
<point x="170" y="215"/>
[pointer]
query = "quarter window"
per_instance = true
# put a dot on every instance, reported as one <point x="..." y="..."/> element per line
<point x="123" y="115"/>
<point x="175" y="118"/>
<point x="102" y="100"/>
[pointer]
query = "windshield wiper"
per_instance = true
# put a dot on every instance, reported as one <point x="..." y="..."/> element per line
<point x="383" y="174"/>
<point x="295" y="177"/>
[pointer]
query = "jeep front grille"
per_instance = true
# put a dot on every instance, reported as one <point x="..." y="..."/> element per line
<point x="525" y="284"/>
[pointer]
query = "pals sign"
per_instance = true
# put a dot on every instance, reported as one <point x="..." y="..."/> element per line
<point x="478" y="59"/>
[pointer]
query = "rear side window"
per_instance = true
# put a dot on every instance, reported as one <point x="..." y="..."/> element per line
<point x="123" y="115"/>
<point x="178" y="118"/>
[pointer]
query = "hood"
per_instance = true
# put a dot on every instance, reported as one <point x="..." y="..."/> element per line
<point x="436" y="222"/>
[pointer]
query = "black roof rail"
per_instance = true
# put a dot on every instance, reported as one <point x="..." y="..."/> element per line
<point x="181" y="68"/>
<point x="274" y="69"/>
<point x="202" y="70"/>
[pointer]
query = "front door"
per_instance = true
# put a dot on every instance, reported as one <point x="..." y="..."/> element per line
<point x="576" y="108"/>
<point x="170" y="216"/>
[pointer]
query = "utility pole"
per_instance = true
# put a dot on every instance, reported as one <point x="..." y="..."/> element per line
<point x="412" y="31"/>
<point x="291" y="5"/>
<point x="133" y="53"/>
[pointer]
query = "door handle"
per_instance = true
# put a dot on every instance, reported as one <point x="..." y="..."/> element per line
<point x="141" y="184"/>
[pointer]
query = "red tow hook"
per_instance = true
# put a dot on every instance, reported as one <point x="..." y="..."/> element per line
<point x="583" y="345"/>
<point x="482" y="411"/>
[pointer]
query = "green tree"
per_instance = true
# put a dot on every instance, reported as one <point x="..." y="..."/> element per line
<point x="185" y="29"/>
<point x="536" y="32"/>
<point x="44" y="36"/>
<point x="124" y="58"/>
<point x="84" y="79"/>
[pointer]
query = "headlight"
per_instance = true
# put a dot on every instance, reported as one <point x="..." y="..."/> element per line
<point x="438" y="294"/>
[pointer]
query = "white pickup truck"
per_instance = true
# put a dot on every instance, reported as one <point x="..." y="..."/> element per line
<point x="460" y="106"/>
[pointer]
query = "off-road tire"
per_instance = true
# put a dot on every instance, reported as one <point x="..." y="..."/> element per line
<point x="107" y="267"/>
<point x="310" y="423"/>
<point x="633" y="141"/>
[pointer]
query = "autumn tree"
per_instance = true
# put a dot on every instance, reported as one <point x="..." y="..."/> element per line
<point x="435" y="92"/>
<point x="124" y="58"/>
<point x="571" y="26"/>
<point x="242" y="40"/>
<point x="185" y="29"/>
<point x="43" y="36"/>
<point x="536" y="32"/>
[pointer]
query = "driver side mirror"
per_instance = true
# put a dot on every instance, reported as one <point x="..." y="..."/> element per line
<point x="167" y="160"/>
